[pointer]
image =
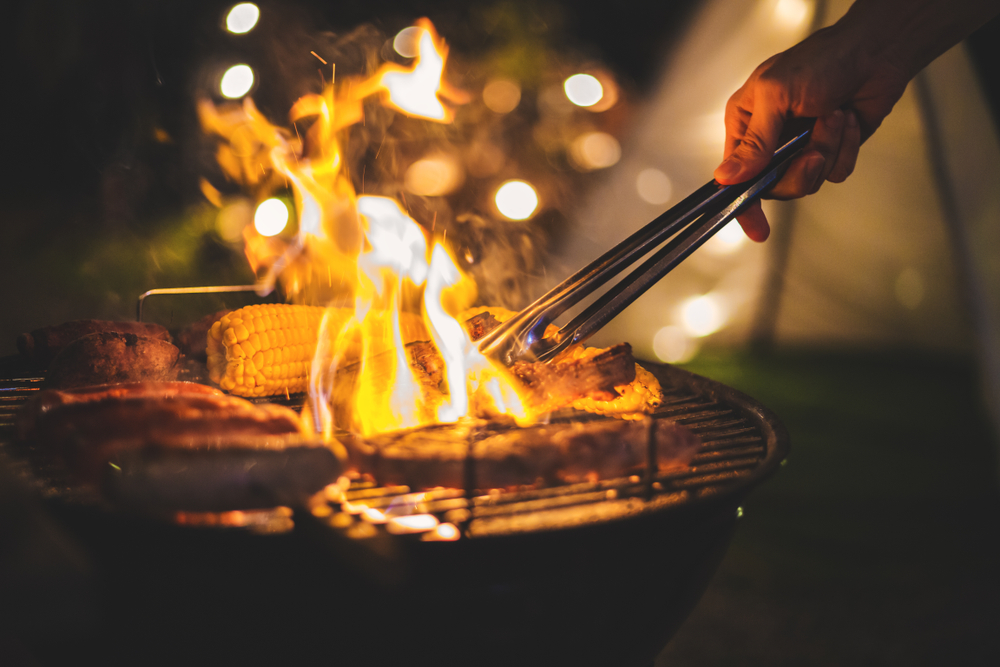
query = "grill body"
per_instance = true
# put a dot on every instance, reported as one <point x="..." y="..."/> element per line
<point x="572" y="575"/>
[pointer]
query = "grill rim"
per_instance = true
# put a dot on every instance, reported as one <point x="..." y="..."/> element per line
<point x="730" y="416"/>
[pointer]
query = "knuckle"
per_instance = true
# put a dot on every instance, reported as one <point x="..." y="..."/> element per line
<point x="752" y="144"/>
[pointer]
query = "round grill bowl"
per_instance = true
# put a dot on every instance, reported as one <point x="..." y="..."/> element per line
<point x="580" y="582"/>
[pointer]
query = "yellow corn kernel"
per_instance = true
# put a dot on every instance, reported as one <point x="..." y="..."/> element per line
<point x="266" y="350"/>
<point x="246" y="347"/>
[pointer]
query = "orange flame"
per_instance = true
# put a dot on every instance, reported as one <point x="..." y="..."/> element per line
<point x="366" y="250"/>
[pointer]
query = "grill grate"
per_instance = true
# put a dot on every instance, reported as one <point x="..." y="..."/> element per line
<point x="734" y="449"/>
<point x="737" y="441"/>
<point x="14" y="391"/>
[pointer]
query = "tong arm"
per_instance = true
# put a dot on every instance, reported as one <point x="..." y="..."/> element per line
<point x="523" y="336"/>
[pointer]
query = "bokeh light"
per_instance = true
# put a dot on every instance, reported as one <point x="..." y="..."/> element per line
<point x="407" y="41"/>
<point x="516" y="200"/>
<point x="445" y="532"/>
<point x="702" y="315"/>
<point x="654" y="186"/>
<point x="673" y="346"/>
<point x="793" y="13"/>
<point x="271" y="217"/>
<point x="502" y="95"/>
<point x="595" y="150"/>
<point x="413" y="523"/>
<point x="232" y="219"/>
<point x="727" y="240"/>
<point x="236" y="82"/>
<point x="433" y="176"/>
<point x="242" y="18"/>
<point x="583" y="90"/>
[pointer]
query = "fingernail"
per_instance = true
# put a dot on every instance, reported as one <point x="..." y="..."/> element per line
<point x="852" y="119"/>
<point x="835" y="119"/>
<point x="728" y="169"/>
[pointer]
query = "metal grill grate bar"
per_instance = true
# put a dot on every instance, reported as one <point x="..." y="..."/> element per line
<point x="733" y="446"/>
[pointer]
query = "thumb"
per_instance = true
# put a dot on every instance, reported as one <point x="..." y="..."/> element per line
<point x="754" y="149"/>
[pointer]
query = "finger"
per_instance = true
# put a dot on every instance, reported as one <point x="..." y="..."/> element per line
<point x="756" y="146"/>
<point x="736" y="119"/>
<point x="828" y="133"/>
<point x="802" y="178"/>
<point x="754" y="223"/>
<point x="850" y="144"/>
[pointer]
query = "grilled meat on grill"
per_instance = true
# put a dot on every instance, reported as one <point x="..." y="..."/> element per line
<point x="175" y="446"/>
<point x="106" y="357"/>
<point x="41" y="346"/>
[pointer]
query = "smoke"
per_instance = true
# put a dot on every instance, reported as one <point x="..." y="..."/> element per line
<point x="445" y="175"/>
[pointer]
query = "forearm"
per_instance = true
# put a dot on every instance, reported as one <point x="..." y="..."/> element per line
<point x="907" y="35"/>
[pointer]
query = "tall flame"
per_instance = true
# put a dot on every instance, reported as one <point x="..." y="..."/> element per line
<point x="364" y="250"/>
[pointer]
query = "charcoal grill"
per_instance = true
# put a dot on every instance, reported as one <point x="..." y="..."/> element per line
<point x="596" y="573"/>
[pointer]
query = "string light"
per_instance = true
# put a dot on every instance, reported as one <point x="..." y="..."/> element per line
<point x="433" y="176"/>
<point x="236" y="82"/>
<point x="583" y="90"/>
<point x="672" y="345"/>
<point x="793" y="13"/>
<point x="516" y="200"/>
<point x="728" y="240"/>
<point x="702" y="315"/>
<point x="242" y="18"/>
<point x="653" y="186"/>
<point x="271" y="217"/>
<point x="407" y="42"/>
<point x="502" y="95"/>
<point x="595" y="150"/>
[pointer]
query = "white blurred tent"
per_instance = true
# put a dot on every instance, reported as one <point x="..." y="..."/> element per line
<point x="905" y="254"/>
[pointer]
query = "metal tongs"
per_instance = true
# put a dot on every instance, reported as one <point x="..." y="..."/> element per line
<point x="690" y="223"/>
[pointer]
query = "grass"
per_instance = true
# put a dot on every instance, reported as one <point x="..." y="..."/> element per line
<point x="878" y="542"/>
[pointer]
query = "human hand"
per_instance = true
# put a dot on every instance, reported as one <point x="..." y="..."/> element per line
<point x="829" y="76"/>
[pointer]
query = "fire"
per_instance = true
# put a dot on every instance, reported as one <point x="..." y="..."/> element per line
<point x="365" y="253"/>
<point x="417" y="91"/>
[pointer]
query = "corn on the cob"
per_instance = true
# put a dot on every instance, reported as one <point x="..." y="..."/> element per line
<point x="267" y="349"/>
<point x="263" y="350"/>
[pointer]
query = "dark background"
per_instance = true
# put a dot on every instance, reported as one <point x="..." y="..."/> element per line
<point x="877" y="544"/>
<point x="99" y="200"/>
